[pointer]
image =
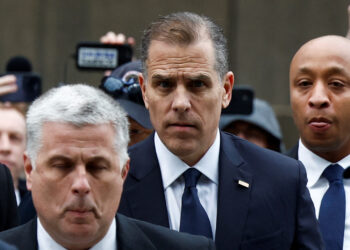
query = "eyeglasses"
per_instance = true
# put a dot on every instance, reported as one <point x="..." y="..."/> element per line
<point x="119" y="88"/>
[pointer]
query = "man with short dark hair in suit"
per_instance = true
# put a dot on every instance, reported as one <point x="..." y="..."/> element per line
<point x="8" y="206"/>
<point x="191" y="177"/>
<point x="320" y="100"/>
<point x="76" y="161"/>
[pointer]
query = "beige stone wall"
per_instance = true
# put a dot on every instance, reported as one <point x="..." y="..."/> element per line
<point x="268" y="34"/>
<point x="263" y="35"/>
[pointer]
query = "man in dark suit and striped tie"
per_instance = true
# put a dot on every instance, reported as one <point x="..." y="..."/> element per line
<point x="320" y="99"/>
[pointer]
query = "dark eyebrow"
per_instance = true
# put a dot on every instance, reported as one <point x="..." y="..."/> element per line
<point x="68" y="160"/>
<point x="331" y="71"/>
<point x="17" y="134"/>
<point x="158" y="77"/>
<point x="305" y="70"/>
<point x="200" y="77"/>
<point x="336" y="70"/>
<point x="99" y="159"/>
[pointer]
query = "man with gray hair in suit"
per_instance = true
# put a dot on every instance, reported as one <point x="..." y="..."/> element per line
<point x="76" y="164"/>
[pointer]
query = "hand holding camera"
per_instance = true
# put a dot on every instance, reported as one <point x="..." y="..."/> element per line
<point x="7" y="84"/>
<point x="112" y="38"/>
<point x="112" y="51"/>
<point x="19" y="83"/>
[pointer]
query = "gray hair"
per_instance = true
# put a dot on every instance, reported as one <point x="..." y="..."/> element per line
<point x="79" y="105"/>
<point x="185" y="28"/>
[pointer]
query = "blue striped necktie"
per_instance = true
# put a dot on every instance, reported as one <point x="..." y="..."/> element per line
<point x="332" y="210"/>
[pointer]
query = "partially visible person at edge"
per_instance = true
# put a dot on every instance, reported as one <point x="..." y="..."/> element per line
<point x="320" y="100"/>
<point x="8" y="207"/>
<point x="12" y="140"/>
<point x="12" y="144"/>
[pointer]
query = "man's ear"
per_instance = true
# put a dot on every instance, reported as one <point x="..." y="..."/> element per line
<point x="228" y="86"/>
<point x="142" y="82"/>
<point x="125" y="170"/>
<point x="28" y="169"/>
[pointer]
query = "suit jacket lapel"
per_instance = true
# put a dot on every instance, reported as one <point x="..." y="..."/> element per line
<point x="146" y="198"/>
<point x="130" y="237"/>
<point x="294" y="152"/>
<point x="27" y="235"/>
<point x="233" y="197"/>
<point x="32" y="230"/>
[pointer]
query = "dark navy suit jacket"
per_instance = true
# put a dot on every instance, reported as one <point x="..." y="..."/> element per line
<point x="274" y="212"/>
<point x="8" y="205"/>
<point x="293" y="152"/>
<point x="131" y="235"/>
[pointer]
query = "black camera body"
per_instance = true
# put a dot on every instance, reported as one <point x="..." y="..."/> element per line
<point x="98" y="56"/>
<point x="29" y="88"/>
<point x="241" y="101"/>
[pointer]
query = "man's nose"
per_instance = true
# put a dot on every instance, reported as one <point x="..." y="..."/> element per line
<point x="5" y="145"/>
<point x="81" y="185"/>
<point x="181" y="99"/>
<point x="319" y="96"/>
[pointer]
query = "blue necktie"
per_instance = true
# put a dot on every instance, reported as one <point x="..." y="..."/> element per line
<point x="194" y="219"/>
<point x="332" y="210"/>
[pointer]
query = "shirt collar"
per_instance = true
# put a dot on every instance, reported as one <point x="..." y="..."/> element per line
<point x="315" y="165"/>
<point x="45" y="241"/>
<point x="172" y="167"/>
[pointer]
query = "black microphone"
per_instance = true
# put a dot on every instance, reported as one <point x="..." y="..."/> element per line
<point x="346" y="173"/>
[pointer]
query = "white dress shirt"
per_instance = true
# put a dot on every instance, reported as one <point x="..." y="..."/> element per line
<point x="172" y="169"/>
<point x="318" y="185"/>
<point x="18" y="196"/>
<point x="45" y="241"/>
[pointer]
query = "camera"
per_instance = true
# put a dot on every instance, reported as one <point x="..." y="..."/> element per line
<point x="98" y="56"/>
<point x="241" y="101"/>
<point x="29" y="88"/>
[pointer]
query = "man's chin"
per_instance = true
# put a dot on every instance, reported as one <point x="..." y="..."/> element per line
<point x="80" y="232"/>
<point x="188" y="152"/>
<point x="78" y="241"/>
<point x="181" y="146"/>
<point x="321" y="145"/>
<point x="76" y="236"/>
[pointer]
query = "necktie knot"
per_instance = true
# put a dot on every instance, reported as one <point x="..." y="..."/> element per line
<point x="333" y="173"/>
<point x="191" y="176"/>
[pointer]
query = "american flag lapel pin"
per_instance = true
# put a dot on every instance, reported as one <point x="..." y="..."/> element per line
<point x="243" y="183"/>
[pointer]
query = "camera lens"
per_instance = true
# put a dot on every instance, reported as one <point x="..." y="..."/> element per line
<point x="112" y="84"/>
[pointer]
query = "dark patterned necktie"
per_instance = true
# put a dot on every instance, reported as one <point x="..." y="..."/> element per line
<point x="194" y="219"/>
